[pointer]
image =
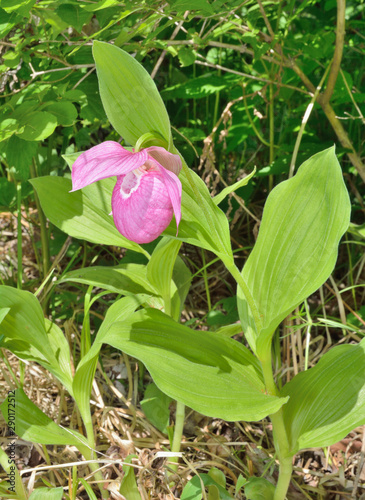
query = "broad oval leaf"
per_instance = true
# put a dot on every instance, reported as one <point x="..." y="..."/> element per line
<point x="78" y="215"/>
<point x="328" y="401"/>
<point x="216" y="376"/>
<point x="296" y="250"/>
<point x="129" y="95"/>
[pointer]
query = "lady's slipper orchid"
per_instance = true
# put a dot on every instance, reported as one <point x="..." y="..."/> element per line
<point x="147" y="192"/>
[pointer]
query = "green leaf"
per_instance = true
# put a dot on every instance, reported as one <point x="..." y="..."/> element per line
<point x="73" y="15"/>
<point x="47" y="494"/>
<point x="327" y="401"/>
<point x="214" y="375"/>
<point x="156" y="407"/>
<point x="129" y="485"/>
<point x="161" y="264"/>
<point x="182" y="278"/>
<point x="259" y="488"/>
<point x="230" y="330"/>
<point x="37" y="126"/>
<point x="127" y="279"/>
<point x="19" y="155"/>
<point x="193" y="489"/>
<point x="8" y="126"/>
<point x="7" y="193"/>
<point x="21" y="7"/>
<point x="296" y="250"/>
<point x="76" y="215"/>
<point x="64" y="111"/>
<point x="61" y="350"/>
<point x="24" y="333"/>
<point x="119" y="311"/>
<point x="230" y="189"/>
<point x="33" y="425"/>
<point x="129" y="95"/>
<point x="203" y="224"/>
<point x="186" y="56"/>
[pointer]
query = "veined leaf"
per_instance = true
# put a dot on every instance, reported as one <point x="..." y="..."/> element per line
<point x="24" y="333"/>
<point x="214" y="375"/>
<point x="128" y="279"/>
<point x="129" y="95"/>
<point x="296" y="250"/>
<point x="33" y="425"/>
<point x="328" y="401"/>
<point x="203" y="223"/>
<point x="161" y="264"/>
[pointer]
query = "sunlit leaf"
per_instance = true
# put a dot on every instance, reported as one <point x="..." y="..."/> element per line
<point x="214" y="375"/>
<point x="327" y="401"/>
<point x="296" y="250"/>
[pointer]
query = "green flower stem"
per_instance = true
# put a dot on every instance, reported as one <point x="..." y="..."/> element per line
<point x="180" y="407"/>
<point x="43" y="226"/>
<point x="280" y="435"/>
<point x="19" y="235"/>
<point x="20" y="489"/>
<point x="178" y="431"/>
<point x="89" y="454"/>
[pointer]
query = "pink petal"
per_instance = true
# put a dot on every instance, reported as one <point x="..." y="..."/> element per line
<point x="105" y="160"/>
<point x="174" y="189"/>
<point x="141" y="205"/>
<point x="167" y="160"/>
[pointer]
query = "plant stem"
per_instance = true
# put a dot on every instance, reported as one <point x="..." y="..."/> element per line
<point x="178" y="431"/>
<point x="43" y="225"/>
<point x="90" y="456"/>
<point x="280" y="435"/>
<point x="19" y="235"/>
<point x="285" y="472"/>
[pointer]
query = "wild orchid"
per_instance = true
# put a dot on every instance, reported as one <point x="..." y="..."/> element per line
<point x="147" y="193"/>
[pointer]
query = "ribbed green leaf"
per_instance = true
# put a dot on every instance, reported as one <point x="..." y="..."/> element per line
<point x="127" y="279"/>
<point x="296" y="250"/>
<point x="182" y="278"/>
<point x="203" y="224"/>
<point x="25" y="334"/>
<point x="212" y="374"/>
<point x="78" y="215"/>
<point x="33" y="425"/>
<point x="161" y="264"/>
<point x="129" y="95"/>
<point x="327" y="401"/>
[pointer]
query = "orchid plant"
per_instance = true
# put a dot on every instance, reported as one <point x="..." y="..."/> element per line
<point x="156" y="194"/>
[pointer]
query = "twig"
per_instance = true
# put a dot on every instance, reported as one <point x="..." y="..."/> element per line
<point x="228" y="70"/>
<point x="304" y="122"/>
<point x="337" y="57"/>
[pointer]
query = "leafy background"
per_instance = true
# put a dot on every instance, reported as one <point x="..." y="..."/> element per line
<point x="234" y="77"/>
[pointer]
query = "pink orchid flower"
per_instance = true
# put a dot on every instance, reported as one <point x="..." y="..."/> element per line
<point x="147" y="193"/>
